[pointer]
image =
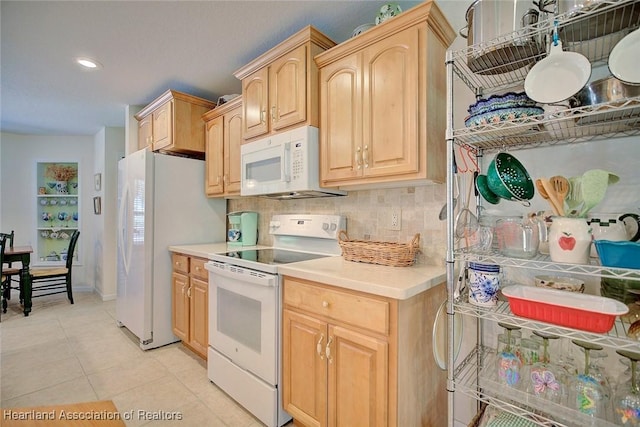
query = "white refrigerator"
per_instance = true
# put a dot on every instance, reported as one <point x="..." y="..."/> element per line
<point x="161" y="202"/>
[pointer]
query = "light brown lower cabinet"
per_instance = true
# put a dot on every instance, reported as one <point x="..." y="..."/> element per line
<point x="190" y="303"/>
<point x="351" y="358"/>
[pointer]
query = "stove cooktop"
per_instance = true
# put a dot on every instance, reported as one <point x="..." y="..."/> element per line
<point x="271" y="256"/>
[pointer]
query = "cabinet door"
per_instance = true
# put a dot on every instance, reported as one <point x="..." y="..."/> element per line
<point x="163" y="126"/>
<point x="180" y="306"/>
<point x="145" y="133"/>
<point x="288" y="89"/>
<point x="255" y="90"/>
<point x="341" y="120"/>
<point x="358" y="379"/>
<point x="390" y="105"/>
<point x="232" y="142"/>
<point x="198" y="316"/>
<point x="214" y="156"/>
<point x="304" y="368"/>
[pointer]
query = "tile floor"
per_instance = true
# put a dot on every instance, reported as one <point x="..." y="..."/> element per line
<point x="65" y="353"/>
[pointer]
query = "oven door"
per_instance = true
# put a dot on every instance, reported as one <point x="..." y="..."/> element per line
<point x="243" y="317"/>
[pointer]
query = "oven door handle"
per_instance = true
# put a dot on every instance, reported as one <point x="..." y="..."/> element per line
<point x="255" y="277"/>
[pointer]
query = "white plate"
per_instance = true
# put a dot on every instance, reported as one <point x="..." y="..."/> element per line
<point x="557" y="77"/>
<point x="623" y="59"/>
<point x="439" y="336"/>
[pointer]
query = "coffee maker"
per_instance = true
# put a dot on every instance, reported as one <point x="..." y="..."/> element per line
<point x="243" y="228"/>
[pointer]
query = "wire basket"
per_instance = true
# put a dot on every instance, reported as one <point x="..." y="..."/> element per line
<point x="382" y="253"/>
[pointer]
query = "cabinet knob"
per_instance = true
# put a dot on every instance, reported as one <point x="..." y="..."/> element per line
<point x="198" y="269"/>
<point x="358" y="158"/>
<point x="325" y="304"/>
<point x="273" y="113"/>
<point x="262" y="114"/>
<point x="189" y="292"/>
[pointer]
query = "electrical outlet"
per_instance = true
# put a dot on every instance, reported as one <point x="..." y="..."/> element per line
<point x="395" y="219"/>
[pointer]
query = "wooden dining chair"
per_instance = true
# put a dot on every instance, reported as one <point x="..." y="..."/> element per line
<point x="7" y="271"/>
<point x="54" y="280"/>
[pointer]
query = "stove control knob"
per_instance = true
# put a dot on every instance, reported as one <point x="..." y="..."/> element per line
<point x="334" y="226"/>
<point x="325" y="226"/>
<point x="274" y="224"/>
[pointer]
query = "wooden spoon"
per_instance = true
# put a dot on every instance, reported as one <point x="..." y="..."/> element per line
<point x="561" y="186"/>
<point x="543" y="192"/>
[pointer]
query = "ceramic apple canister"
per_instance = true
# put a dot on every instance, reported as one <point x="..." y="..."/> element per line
<point x="569" y="240"/>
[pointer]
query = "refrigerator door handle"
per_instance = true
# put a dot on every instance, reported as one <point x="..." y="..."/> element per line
<point x="123" y="227"/>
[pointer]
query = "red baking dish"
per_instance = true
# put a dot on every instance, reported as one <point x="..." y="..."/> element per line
<point x="579" y="311"/>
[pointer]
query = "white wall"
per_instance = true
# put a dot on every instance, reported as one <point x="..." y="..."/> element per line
<point x="109" y="148"/>
<point x="18" y="189"/>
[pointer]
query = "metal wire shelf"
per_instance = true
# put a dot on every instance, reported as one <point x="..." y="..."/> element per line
<point x="543" y="262"/>
<point x="483" y="387"/>
<point x="504" y="62"/>
<point x="615" y="338"/>
<point x="579" y="124"/>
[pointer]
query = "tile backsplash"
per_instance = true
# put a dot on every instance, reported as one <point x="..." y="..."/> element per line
<point x="367" y="213"/>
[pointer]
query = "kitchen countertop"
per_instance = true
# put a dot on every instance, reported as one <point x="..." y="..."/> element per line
<point x="392" y="282"/>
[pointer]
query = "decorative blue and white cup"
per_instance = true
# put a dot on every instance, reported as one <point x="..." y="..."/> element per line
<point x="484" y="282"/>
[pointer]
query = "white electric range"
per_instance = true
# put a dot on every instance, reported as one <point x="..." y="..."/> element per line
<point x="244" y="356"/>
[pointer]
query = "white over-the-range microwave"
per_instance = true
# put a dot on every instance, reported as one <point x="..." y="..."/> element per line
<point x="284" y="166"/>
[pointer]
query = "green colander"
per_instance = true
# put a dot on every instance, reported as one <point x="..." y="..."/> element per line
<point x="508" y="179"/>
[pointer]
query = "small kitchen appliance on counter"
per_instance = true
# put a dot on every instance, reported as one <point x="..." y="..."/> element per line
<point x="245" y="332"/>
<point x="243" y="228"/>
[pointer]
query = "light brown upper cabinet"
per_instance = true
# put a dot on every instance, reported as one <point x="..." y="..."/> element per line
<point x="222" y="153"/>
<point x="280" y="88"/>
<point x="383" y="103"/>
<point x="173" y="123"/>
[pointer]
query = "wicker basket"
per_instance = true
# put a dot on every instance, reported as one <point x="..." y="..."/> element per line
<point x="383" y="253"/>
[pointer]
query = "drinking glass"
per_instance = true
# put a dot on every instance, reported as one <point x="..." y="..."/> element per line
<point x="508" y="361"/>
<point x="586" y="394"/>
<point x="626" y="402"/>
<point x="597" y="358"/>
<point x="544" y="376"/>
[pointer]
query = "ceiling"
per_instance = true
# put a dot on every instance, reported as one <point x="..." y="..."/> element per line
<point x="145" y="48"/>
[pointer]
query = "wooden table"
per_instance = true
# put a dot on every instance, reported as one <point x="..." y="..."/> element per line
<point x="87" y="414"/>
<point x="22" y="254"/>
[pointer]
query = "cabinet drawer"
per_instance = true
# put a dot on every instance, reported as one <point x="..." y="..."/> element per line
<point x="180" y="263"/>
<point x="198" y="270"/>
<point x="352" y="308"/>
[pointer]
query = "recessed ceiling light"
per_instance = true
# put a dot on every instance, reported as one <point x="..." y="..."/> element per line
<point x="88" y="63"/>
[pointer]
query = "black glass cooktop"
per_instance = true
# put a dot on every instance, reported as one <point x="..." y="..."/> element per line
<point x="272" y="256"/>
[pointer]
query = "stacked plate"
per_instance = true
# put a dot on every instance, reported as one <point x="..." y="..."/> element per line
<point x="623" y="290"/>
<point x="499" y="108"/>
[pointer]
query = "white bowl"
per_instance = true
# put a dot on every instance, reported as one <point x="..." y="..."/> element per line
<point x="559" y="282"/>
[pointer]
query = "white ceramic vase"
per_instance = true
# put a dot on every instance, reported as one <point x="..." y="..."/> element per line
<point x="569" y="240"/>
